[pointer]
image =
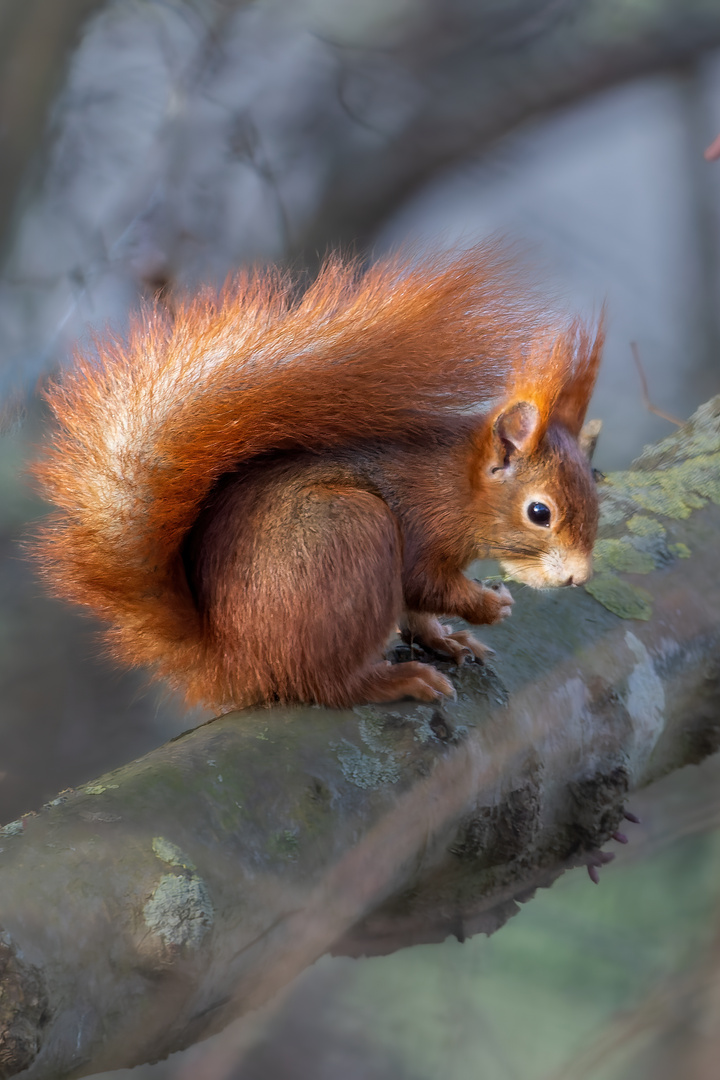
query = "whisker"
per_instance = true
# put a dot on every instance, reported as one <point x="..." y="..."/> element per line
<point x="510" y="549"/>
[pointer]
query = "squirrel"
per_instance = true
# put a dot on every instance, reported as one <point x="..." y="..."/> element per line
<point x="256" y="490"/>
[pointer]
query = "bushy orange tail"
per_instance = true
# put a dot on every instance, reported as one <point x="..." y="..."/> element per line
<point x="146" y="426"/>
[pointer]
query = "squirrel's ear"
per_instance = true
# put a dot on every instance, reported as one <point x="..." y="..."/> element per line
<point x="572" y="402"/>
<point x="588" y="437"/>
<point x="516" y="431"/>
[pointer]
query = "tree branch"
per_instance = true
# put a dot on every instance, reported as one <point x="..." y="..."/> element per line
<point x="147" y="910"/>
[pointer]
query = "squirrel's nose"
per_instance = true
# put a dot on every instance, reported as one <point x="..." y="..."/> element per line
<point x="577" y="568"/>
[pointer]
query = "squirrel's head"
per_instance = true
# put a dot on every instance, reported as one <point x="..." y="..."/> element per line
<point x="540" y="489"/>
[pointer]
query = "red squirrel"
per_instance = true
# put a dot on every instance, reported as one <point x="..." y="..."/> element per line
<point x="255" y="491"/>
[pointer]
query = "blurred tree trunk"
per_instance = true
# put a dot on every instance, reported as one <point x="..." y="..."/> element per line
<point x="36" y="39"/>
<point x="469" y="95"/>
<point x="337" y="115"/>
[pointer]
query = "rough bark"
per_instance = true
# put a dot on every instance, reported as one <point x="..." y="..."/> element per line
<point x="146" y="910"/>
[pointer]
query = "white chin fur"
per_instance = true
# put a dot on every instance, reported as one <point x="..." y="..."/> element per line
<point x="550" y="570"/>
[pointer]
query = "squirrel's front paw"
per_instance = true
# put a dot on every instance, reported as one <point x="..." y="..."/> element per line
<point x="495" y="602"/>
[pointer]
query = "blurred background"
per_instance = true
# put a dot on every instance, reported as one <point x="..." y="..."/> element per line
<point x="148" y="146"/>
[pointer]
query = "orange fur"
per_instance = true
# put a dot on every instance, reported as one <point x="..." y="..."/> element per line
<point x="403" y="355"/>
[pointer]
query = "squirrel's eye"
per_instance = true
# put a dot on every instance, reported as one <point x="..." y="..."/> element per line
<point x="539" y="513"/>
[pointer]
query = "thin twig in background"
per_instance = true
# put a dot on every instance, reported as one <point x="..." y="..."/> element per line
<point x="646" y="398"/>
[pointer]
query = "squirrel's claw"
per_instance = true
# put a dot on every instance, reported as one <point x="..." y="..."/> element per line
<point x="471" y="648"/>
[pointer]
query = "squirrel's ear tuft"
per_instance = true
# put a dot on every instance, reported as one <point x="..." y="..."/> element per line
<point x="516" y="431"/>
<point x="571" y="403"/>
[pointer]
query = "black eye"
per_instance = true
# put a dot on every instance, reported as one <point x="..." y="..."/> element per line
<point x="539" y="514"/>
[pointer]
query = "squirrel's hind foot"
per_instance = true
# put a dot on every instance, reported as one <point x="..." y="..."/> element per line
<point x="390" y="682"/>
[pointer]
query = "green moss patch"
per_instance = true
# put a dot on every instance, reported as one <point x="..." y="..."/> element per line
<point x="627" y="601"/>
<point x="621" y="555"/>
<point x="675" y="491"/>
<point x="679" y="475"/>
<point x="170" y="853"/>
<point x="645" y="526"/>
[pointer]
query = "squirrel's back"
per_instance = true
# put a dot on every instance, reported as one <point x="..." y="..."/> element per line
<point x="147" y="426"/>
